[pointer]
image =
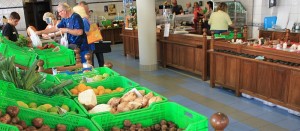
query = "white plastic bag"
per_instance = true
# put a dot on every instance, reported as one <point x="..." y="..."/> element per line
<point x="36" y="41"/>
<point x="64" y="40"/>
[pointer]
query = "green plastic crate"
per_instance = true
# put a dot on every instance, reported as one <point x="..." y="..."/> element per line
<point x="56" y="59"/>
<point x="70" y="121"/>
<point x="16" y="94"/>
<point x="77" y="77"/>
<point x="230" y="36"/>
<point x="105" y="99"/>
<point x="109" y="83"/>
<point x="49" y="81"/>
<point x="6" y="127"/>
<point x="23" y="55"/>
<point x="181" y="116"/>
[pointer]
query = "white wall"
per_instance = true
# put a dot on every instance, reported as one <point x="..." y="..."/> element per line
<point x="287" y="12"/>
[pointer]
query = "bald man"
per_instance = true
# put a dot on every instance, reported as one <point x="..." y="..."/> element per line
<point x="189" y="9"/>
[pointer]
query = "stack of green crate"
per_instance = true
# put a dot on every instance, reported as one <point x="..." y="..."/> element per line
<point x="229" y="37"/>
<point x="71" y="121"/>
<point x="169" y="111"/>
<point x="15" y="95"/>
<point x="25" y="56"/>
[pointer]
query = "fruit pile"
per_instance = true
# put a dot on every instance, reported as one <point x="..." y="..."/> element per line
<point x="11" y="117"/>
<point x="100" y="90"/>
<point x="92" y="77"/>
<point x="162" y="126"/>
<point x="46" y="107"/>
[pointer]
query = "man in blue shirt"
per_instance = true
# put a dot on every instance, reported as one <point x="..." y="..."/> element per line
<point x="72" y="24"/>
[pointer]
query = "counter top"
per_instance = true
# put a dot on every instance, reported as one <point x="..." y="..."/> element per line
<point x="281" y="30"/>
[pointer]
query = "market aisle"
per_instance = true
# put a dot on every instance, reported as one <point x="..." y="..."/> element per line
<point x="190" y="91"/>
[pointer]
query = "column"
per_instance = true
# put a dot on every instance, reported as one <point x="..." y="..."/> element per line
<point x="146" y="19"/>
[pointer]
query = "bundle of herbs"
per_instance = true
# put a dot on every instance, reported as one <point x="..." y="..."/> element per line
<point x="27" y="79"/>
<point x="22" y="41"/>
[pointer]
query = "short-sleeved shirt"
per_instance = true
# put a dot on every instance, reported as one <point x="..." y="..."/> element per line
<point x="87" y="29"/>
<point x="219" y="20"/>
<point x="176" y="9"/>
<point x="10" y="32"/>
<point x="75" y="22"/>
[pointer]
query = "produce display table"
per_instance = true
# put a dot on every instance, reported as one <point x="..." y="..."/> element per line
<point x="274" y="79"/>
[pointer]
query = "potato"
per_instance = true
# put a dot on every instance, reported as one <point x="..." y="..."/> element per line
<point x="131" y="96"/>
<point x="114" y="102"/>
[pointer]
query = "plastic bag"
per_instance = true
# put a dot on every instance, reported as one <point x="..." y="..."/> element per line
<point x="36" y="41"/>
<point x="64" y="40"/>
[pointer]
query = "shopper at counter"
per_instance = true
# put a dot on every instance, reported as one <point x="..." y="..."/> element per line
<point x="220" y="20"/>
<point x="189" y="9"/>
<point x="81" y="11"/>
<point x="94" y="48"/>
<point x="9" y="30"/>
<point x="72" y="24"/>
<point x="177" y="9"/>
<point x="198" y="14"/>
<point x="52" y="22"/>
<point x="209" y="7"/>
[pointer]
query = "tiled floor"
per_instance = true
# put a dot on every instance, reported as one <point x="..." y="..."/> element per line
<point x="190" y="91"/>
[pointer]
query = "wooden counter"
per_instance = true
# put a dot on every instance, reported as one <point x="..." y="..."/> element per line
<point x="183" y="51"/>
<point x="275" y="79"/>
<point x="187" y="52"/>
<point x="280" y="34"/>
<point x="112" y="34"/>
<point x="131" y="43"/>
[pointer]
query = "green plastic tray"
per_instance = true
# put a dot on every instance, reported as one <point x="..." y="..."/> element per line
<point x="71" y="121"/>
<point x="56" y="59"/>
<point x="109" y="83"/>
<point x="16" y="94"/>
<point x="105" y="99"/>
<point x="6" y="127"/>
<point x="93" y="72"/>
<point x="49" y="81"/>
<point x="181" y="116"/>
<point x="230" y="36"/>
<point x="23" y="55"/>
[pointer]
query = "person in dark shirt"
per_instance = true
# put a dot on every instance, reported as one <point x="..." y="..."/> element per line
<point x="72" y="24"/>
<point x="177" y="9"/>
<point x="9" y="30"/>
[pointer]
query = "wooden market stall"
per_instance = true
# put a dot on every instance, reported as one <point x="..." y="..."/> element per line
<point x="274" y="79"/>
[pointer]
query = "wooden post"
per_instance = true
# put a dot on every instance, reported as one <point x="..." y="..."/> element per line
<point x="212" y="41"/>
<point x="204" y="50"/>
<point x="235" y="34"/>
<point x="219" y="121"/>
<point x="287" y="35"/>
<point x="108" y="64"/>
<point x="77" y="55"/>
<point x="245" y="33"/>
<point x="212" y="61"/>
<point x="40" y="64"/>
<point x="200" y="26"/>
<point x="88" y="58"/>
